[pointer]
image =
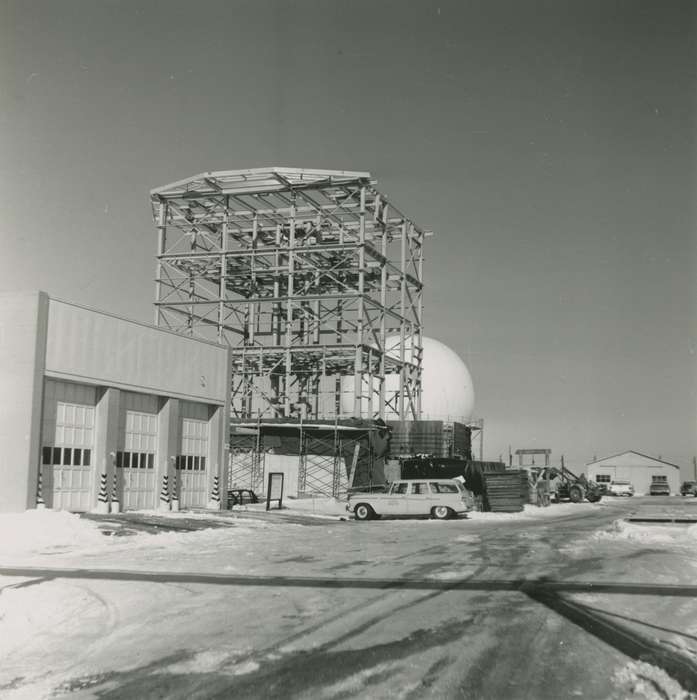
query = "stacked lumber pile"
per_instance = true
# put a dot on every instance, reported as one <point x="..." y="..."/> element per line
<point x="506" y="492"/>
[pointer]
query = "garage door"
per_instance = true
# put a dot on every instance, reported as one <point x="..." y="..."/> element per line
<point x="136" y="462"/>
<point x="68" y="436"/>
<point x="191" y="463"/>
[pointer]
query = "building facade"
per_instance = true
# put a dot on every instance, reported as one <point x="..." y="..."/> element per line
<point x="99" y="408"/>
<point x="640" y="470"/>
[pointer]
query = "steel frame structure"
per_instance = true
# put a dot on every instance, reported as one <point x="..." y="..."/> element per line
<point x="306" y="275"/>
<point x="323" y="464"/>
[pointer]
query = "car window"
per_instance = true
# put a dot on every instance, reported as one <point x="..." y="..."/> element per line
<point x="400" y="488"/>
<point x="419" y="488"/>
<point x="438" y="487"/>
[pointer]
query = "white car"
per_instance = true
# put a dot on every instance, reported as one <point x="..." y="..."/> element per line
<point x="439" y="498"/>
<point x="620" y="488"/>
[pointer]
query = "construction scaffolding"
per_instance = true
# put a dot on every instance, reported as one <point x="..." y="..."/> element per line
<point x="318" y="458"/>
<point x="312" y="277"/>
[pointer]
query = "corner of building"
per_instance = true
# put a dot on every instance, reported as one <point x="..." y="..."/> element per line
<point x="23" y="333"/>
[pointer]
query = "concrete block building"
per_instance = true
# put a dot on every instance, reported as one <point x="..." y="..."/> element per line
<point x="640" y="470"/>
<point x="89" y="397"/>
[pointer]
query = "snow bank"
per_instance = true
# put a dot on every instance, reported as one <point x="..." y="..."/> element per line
<point x="639" y="679"/>
<point x="649" y="534"/>
<point x="531" y="512"/>
<point x="316" y="506"/>
<point x="36" y="530"/>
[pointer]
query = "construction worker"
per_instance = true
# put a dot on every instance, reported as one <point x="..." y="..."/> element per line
<point x="542" y="489"/>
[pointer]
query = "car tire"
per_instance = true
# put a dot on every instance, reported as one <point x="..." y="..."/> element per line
<point x="363" y="512"/>
<point x="441" y="512"/>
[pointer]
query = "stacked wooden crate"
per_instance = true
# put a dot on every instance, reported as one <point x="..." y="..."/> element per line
<point x="506" y="491"/>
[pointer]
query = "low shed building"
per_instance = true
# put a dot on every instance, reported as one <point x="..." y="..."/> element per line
<point x="640" y="470"/>
<point x="95" y="404"/>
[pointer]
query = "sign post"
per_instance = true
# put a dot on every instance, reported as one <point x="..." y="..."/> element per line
<point x="274" y="489"/>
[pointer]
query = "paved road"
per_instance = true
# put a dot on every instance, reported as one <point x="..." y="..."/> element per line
<point x="387" y="609"/>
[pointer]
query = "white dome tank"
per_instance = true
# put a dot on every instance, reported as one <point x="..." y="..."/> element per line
<point x="447" y="392"/>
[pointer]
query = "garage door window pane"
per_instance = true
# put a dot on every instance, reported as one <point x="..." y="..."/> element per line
<point x="77" y="456"/>
<point x="86" y="458"/>
<point x="151" y="461"/>
<point x="46" y="455"/>
<point x="56" y="455"/>
<point x="67" y="455"/>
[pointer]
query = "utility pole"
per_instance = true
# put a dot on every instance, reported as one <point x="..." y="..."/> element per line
<point x="694" y="465"/>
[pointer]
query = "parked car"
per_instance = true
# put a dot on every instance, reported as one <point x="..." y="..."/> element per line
<point x="241" y="497"/>
<point x="659" y="488"/>
<point x="689" y="488"/>
<point x="620" y="488"/>
<point x="439" y="498"/>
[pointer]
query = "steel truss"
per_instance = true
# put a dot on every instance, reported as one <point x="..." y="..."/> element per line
<point x="312" y="277"/>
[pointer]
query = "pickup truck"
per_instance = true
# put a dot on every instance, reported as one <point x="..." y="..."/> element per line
<point x="438" y="498"/>
<point x="659" y="488"/>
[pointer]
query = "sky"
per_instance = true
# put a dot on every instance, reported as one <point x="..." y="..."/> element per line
<point x="550" y="145"/>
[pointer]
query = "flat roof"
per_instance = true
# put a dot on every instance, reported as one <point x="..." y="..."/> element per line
<point x="256" y="180"/>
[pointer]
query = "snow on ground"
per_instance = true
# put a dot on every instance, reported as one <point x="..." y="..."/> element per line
<point x="639" y="679"/>
<point x="29" y="537"/>
<point x="41" y="532"/>
<point x="674" y="544"/>
<point x="328" y="507"/>
<point x="103" y="615"/>
<point x="531" y="512"/>
<point x="317" y="506"/>
<point x="35" y="530"/>
<point x="48" y="531"/>
<point x="650" y="533"/>
<point x="334" y="507"/>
